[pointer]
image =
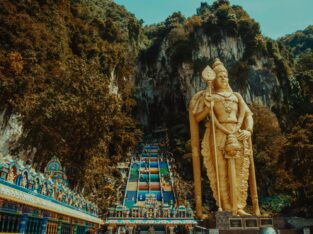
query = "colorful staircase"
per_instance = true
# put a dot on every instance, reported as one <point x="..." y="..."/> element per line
<point x="149" y="204"/>
<point x="149" y="174"/>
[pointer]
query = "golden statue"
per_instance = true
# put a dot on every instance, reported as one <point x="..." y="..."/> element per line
<point x="11" y="175"/>
<point x="24" y="181"/>
<point x="226" y="146"/>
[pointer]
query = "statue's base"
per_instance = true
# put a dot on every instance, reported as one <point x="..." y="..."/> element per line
<point x="227" y="221"/>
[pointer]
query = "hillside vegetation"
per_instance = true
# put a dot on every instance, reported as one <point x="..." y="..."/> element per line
<point x="85" y="77"/>
<point x="300" y="41"/>
<point x="65" y="69"/>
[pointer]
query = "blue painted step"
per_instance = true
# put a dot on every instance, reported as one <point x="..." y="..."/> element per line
<point x="131" y="195"/>
<point x="129" y="203"/>
<point x="168" y="196"/>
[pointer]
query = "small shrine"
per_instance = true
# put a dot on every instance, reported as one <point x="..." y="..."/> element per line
<point x="56" y="172"/>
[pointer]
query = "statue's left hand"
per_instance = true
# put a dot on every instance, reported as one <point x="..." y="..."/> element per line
<point x="244" y="135"/>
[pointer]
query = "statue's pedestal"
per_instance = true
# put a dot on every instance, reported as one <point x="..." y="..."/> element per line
<point x="227" y="221"/>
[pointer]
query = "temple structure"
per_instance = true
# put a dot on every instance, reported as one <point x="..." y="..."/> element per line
<point x="56" y="172"/>
<point x="33" y="202"/>
<point x="149" y="204"/>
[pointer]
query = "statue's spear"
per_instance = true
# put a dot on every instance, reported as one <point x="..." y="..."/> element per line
<point x="252" y="181"/>
<point x="208" y="75"/>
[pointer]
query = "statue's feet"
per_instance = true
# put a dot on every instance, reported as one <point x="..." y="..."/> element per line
<point x="257" y="212"/>
<point x="241" y="212"/>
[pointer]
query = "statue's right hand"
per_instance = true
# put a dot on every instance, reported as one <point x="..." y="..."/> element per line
<point x="208" y="100"/>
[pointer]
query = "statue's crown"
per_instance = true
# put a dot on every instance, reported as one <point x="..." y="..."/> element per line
<point x="218" y="66"/>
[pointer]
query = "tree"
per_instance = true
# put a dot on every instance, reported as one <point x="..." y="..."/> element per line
<point x="267" y="144"/>
<point x="58" y="64"/>
<point x="203" y="10"/>
<point x="192" y="23"/>
<point x="174" y="20"/>
<point x="297" y="160"/>
<point x="302" y="101"/>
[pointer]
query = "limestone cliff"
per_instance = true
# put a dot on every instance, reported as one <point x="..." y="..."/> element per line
<point x="168" y="71"/>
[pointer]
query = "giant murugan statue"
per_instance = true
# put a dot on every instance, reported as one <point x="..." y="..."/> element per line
<point x="226" y="145"/>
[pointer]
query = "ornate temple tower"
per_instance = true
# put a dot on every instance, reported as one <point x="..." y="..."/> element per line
<point x="56" y="172"/>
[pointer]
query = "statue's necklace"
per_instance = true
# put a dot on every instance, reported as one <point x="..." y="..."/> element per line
<point x="226" y="101"/>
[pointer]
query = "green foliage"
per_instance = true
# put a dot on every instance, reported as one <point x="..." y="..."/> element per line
<point x="303" y="104"/>
<point x="300" y="41"/>
<point x="220" y="3"/>
<point x="296" y="80"/>
<point x="180" y="50"/>
<point x="250" y="31"/>
<point x="58" y="64"/>
<point x="221" y="18"/>
<point x="204" y="10"/>
<point x="99" y="176"/>
<point x="177" y="34"/>
<point x="275" y="204"/>
<point x="283" y="67"/>
<point x="297" y="160"/>
<point x="193" y="23"/>
<point x="226" y="18"/>
<point x="304" y="62"/>
<point x="174" y="20"/>
<point x="267" y="143"/>
<point x="282" y="60"/>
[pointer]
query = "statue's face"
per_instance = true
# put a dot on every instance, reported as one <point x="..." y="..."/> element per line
<point x="221" y="80"/>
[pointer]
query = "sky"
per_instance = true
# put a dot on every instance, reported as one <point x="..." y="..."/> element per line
<point x="276" y="17"/>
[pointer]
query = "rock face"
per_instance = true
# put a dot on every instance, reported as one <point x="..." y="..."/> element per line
<point x="10" y="131"/>
<point x="229" y="48"/>
<point x="168" y="70"/>
<point x="165" y="87"/>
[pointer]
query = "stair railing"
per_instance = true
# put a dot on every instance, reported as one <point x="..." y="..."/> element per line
<point x="149" y="177"/>
<point x="129" y="173"/>
<point x="138" y="180"/>
<point x="162" y="193"/>
<point x="171" y="178"/>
